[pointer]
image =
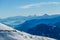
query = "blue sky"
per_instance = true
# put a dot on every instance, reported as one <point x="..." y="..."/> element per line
<point x="28" y="7"/>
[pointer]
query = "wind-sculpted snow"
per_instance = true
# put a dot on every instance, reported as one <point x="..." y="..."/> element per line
<point x="8" y="33"/>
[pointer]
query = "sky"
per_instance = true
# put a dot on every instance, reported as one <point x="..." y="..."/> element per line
<point x="10" y="8"/>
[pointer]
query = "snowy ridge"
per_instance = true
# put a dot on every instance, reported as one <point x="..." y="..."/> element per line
<point x="4" y="27"/>
<point x="18" y="35"/>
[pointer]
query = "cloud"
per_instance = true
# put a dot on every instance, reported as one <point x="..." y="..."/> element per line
<point x="28" y="6"/>
<point x="38" y="4"/>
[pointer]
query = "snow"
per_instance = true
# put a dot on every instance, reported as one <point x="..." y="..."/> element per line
<point x="18" y="35"/>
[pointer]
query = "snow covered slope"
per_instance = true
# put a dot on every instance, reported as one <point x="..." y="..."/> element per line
<point x="8" y="33"/>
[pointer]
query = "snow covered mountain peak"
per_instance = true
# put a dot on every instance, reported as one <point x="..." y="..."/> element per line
<point x="18" y="35"/>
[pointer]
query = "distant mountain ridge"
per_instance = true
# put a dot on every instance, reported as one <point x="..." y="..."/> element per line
<point x="20" y="22"/>
<point x="17" y="20"/>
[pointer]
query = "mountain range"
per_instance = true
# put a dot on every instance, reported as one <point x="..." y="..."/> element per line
<point x="32" y="23"/>
<point x="16" y="20"/>
<point x="46" y="25"/>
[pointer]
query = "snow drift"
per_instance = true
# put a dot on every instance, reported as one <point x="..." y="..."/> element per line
<point x="8" y="33"/>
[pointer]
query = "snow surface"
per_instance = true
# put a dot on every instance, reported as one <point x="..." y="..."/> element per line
<point x="18" y="35"/>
